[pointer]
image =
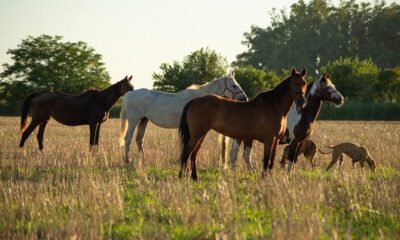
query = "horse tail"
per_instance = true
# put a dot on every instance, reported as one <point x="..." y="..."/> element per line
<point x="183" y="125"/>
<point x="124" y="125"/>
<point x="25" y="111"/>
<point x="319" y="150"/>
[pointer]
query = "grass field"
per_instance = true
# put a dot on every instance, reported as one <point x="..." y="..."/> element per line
<point x="67" y="192"/>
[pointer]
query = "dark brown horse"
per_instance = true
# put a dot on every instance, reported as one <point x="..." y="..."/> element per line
<point x="90" y="108"/>
<point x="300" y="125"/>
<point x="262" y="119"/>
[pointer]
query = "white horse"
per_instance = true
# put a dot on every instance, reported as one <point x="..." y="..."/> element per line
<point x="165" y="109"/>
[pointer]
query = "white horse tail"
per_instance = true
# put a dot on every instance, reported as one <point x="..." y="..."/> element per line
<point x="124" y="125"/>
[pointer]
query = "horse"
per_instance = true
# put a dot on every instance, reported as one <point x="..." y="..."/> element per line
<point x="300" y="126"/>
<point x="89" y="108"/>
<point x="164" y="109"/>
<point x="263" y="119"/>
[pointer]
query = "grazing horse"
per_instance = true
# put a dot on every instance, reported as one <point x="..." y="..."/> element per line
<point x="165" y="109"/>
<point x="300" y="125"/>
<point x="263" y="119"/>
<point x="89" y="108"/>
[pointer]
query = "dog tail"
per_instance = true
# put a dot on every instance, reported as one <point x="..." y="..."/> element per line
<point x="319" y="150"/>
<point x="328" y="146"/>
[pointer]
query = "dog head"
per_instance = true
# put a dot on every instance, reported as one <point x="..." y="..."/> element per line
<point x="371" y="163"/>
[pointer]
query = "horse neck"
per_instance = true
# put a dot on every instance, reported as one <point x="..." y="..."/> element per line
<point x="210" y="88"/>
<point x="284" y="96"/>
<point x="110" y="95"/>
<point x="312" y="109"/>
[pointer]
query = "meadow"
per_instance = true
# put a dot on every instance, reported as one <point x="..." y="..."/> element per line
<point x="69" y="192"/>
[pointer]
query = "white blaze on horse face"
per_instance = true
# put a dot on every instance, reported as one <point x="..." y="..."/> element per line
<point x="293" y="118"/>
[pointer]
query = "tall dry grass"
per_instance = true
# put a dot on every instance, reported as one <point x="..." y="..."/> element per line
<point x="67" y="192"/>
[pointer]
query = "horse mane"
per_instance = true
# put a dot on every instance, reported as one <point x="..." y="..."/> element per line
<point x="277" y="91"/>
<point x="198" y="86"/>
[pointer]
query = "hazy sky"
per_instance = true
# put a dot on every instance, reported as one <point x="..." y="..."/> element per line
<point x="136" y="36"/>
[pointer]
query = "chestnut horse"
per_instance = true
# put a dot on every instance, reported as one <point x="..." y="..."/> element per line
<point x="89" y="108"/>
<point x="262" y="119"/>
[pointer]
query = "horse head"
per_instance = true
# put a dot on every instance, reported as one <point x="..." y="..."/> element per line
<point x="299" y="86"/>
<point x="326" y="91"/>
<point x="231" y="88"/>
<point x="125" y="85"/>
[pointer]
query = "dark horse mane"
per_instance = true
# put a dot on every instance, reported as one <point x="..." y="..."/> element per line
<point x="275" y="93"/>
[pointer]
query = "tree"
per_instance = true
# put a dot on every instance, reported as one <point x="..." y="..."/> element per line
<point x="353" y="77"/>
<point x="198" y="67"/>
<point x="254" y="80"/>
<point x="48" y="63"/>
<point x="388" y="85"/>
<point x="317" y="32"/>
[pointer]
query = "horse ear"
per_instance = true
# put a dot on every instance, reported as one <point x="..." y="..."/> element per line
<point x="130" y="78"/>
<point x="324" y="75"/>
<point x="293" y="71"/>
<point x="233" y="74"/>
<point x="126" y="77"/>
<point x="304" y="72"/>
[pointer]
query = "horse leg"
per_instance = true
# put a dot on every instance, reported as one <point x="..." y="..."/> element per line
<point x="273" y="152"/>
<point x="293" y="150"/>
<point x="247" y="154"/>
<point x="187" y="149"/>
<point x="268" y="142"/>
<point x="224" y="142"/>
<point x="193" y="158"/>
<point x="92" y="129"/>
<point x="141" y="130"/>
<point x="28" y="131"/>
<point x="96" y="141"/>
<point x="39" y="136"/>
<point x="234" y="152"/>
<point x="284" y="158"/>
<point x="132" y="123"/>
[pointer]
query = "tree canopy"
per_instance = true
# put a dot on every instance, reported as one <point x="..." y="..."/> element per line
<point x="49" y="63"/>
<point x="315" y="33"/>
<point x="198" y="67"/>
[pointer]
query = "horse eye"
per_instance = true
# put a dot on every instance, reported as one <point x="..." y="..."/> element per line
<point x="235" y="86"/>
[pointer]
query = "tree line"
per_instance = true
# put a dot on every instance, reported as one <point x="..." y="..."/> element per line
<point x="358" y="43"/>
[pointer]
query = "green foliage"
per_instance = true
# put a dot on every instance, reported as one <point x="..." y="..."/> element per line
<point x="387" y="88"/>
<point x="198" y="67"/>
<point x="314" y="33"/>
<point x="353" y="77"/>
<point x="48" y="63"/>
<point x="361" y="110"/>
<point x="254" y="80"/>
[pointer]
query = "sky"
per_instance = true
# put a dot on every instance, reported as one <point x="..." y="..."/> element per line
<point x="136" y="36"/>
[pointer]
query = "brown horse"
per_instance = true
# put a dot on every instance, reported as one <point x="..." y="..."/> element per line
<point x="262" y="119"/>
<point x="90" y="108"/>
